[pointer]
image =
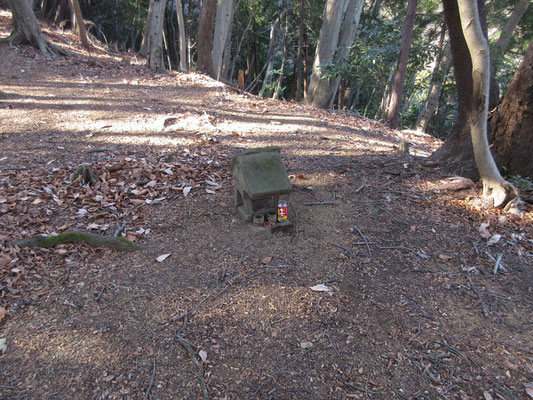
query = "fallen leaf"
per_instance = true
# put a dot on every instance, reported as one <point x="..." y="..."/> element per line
<point x="487" y="395"/>
<point x="484" y="231"/>
<point x="186" y="190"/>
<point x="3" y="346"/>
<point x="2" y="313"/>
<point x="444" y="257"/>
<point x="306" y="345"/>
<point x="203" y="355"/>
<point x="162" y="257"/>
<point x="320" y="288"/>
<point x="494" y="239"/>
<point x="4" y="260"/>
<point x="529" y="389"/>
<point x="266" y="260"/>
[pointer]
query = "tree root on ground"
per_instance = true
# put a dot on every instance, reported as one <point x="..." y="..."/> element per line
<point x="93" y="239"/>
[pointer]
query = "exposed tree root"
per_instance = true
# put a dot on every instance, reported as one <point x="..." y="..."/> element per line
<point x="93" y="239"/>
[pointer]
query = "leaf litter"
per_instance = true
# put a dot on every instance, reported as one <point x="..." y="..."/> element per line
<point x="407" y="316"/>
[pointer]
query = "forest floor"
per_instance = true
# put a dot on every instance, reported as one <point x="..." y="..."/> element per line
<point x="420" y="297"/>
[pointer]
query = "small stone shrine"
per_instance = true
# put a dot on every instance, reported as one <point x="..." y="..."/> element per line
<point x="259" y="178"/>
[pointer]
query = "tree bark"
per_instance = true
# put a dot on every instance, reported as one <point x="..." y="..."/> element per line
<point x="347" y="35"/>
<point x="154" y="40"/>
<point x="393" y="108"/>
<point x="205" y="36"/>
<point x="183" y="38"/>
<point x="269" y="59"/>
<point x="277" y="91"/>
<point x="494" y="186"/>
<point x="443" y="61"/>
<point x="223" y="22"/>
<point x="511" y="123"/>
<point x="143" y="51"/>
<point x="299" y="54"/>
<point x="26" y="30"/>
<point x="80" y="24"/>
<point x="319" y="93"/>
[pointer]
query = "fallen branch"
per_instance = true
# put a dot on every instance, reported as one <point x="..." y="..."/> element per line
<point x="192" y="355"/>
<point x="355" y="228"/>
<point x="93" y="239"/>
<point x="276" y="266"/>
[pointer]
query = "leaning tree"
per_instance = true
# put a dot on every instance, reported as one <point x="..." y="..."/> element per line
<point x="26" y="29"/>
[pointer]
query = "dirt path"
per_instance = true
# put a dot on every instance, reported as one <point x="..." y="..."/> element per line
<point x="414" y="310"/>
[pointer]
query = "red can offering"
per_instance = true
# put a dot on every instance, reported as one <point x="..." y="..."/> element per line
<point x="282" y="210"/>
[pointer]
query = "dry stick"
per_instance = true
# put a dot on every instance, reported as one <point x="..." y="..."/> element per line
<point x="343" y="248"/>
<point x="192" y="354"/>
<point x="276" y="266"/>
<point x="475" y="289"/>
<point x="321" y="203"/>
<point x="151" y="381"/>
<point x="352" y="386"/>
<point x="364" y="238"/>
<point x="279" y="371"/>
<point x="100" y="293"/>
<point x="220" y="285"/>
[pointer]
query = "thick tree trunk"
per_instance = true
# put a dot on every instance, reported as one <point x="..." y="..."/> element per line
<point x="223" y="22"/>
<point x="26" y="29"/>
<point x="143" y="51"/>
<point x="205" y="36"/>
<point x="154" y="42"/>
<point x="393" y="108"/>
<point x="80" y="24"/>
<point x="511" y="123"/>
<point x="319" y="93"/>
<point x="494" y="187"/>
<point x="347" y="35"/>
<point x="507" y="32"/>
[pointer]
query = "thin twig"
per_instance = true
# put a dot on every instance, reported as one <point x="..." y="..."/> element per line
<point x="343" y="248"/>
<point x="192" y="355"/>
<point x="151" y="381"/>
<point x="354" y="387"/>
<point x="475" y="289"/>
<point x="364" y="238"/>
<point x="279" y="371"/>
<point x="216" y="288"/>
<point x="321" y="203"/>
<point x="276" y="266"/>
<point x="100" y="293"/>
<point x="119" y="230"/>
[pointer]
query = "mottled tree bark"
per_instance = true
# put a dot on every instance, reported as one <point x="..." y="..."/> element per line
<point x="511" y="124"/>
<point x="205" y="36"/>
<point x="495" y="187"/>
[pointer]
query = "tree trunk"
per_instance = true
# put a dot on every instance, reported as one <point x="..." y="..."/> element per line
<point x="223" y="21"/>
<point x="269" y="59"/>
<point x="457" y="151"/>
<point x="347" y="35"/>
<point x="154" y="41"/>
<point x="319" y="93"/>
<point x="26" y="30"/>
<point x="511" y="123"/>
<point x="143" y="51"/>
<point x="238" y="52"/>
<point x="507" y="32"/>
<point x="393" y="108"/>
<point x="80" y="24"/>
<point x="299" y="54"/>
<point x="494" y="187"/>
<point x="277" y="91"/>
<point x="205" y="36"/>
<point x="183" y="38"/>
<point x="443" y="61"/>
